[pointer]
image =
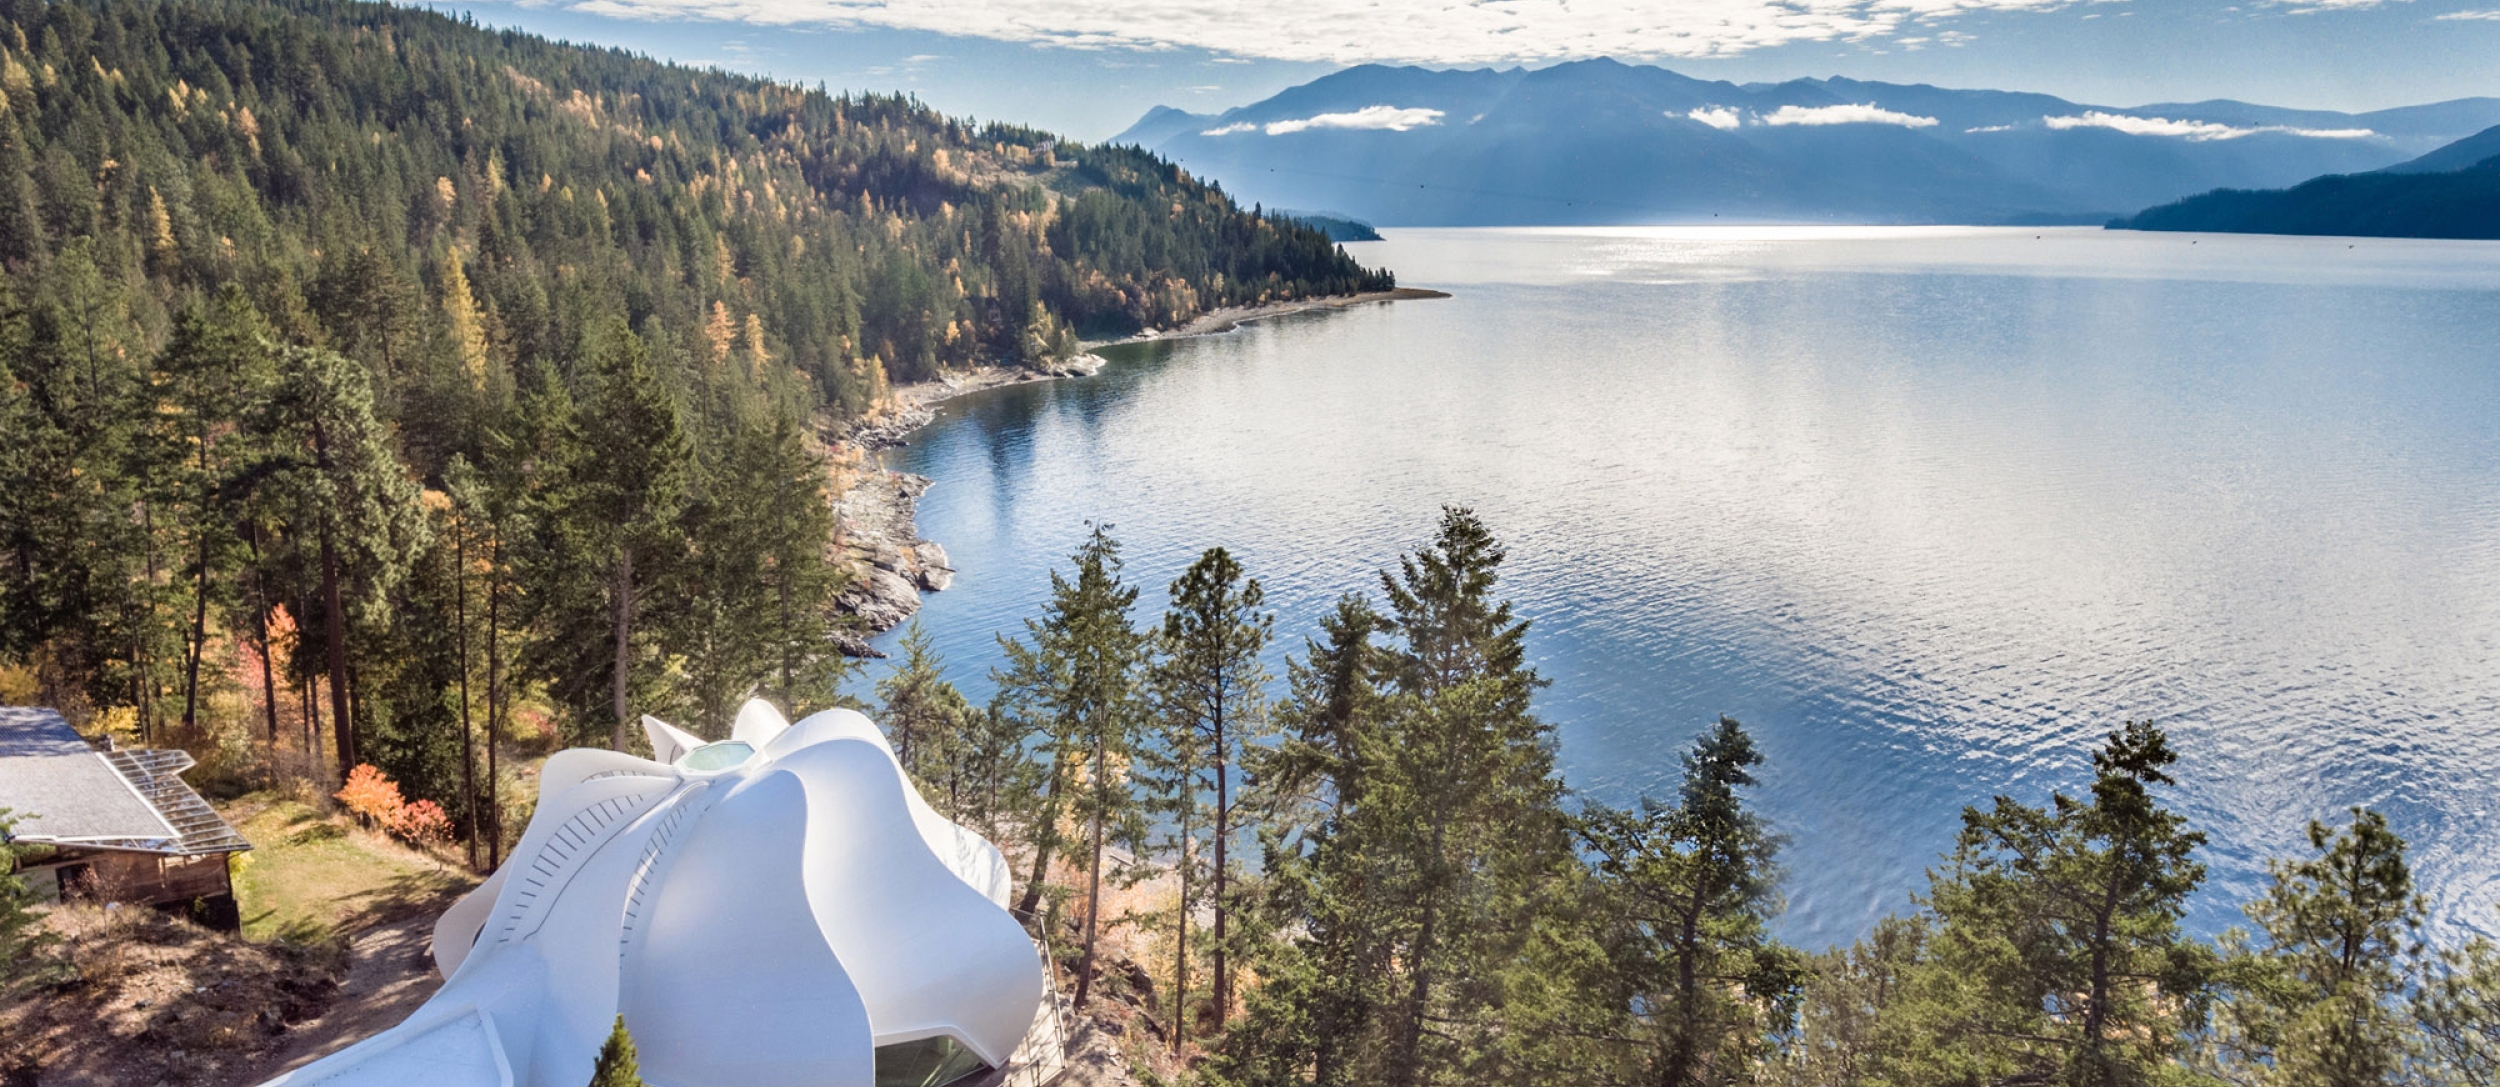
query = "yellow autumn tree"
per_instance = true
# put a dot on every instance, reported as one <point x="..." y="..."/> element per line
<point x="468" y="329"/>
<point x="758" y="355"/>
<point x="719" y="333"/>
<point x="160" y="232"/>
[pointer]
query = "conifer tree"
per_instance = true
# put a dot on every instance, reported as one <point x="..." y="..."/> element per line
<point x="617" y="1066"/>
<point x="1694" y="886"/>
<point x="1422" y="897"/>
<point x="999" y="777"/>
<point x="1320" y="962"/>
<point x="1208" y="688"/>
<point x="630" y="480"/>
<point x="1074" y="678"/>
<point x="217" y="363"/>
<point x="2057" y="955"/>
<point x="2458" y="1011"/>
<point x="337" y="484"/>
<point x="1334" y="694"/>
<point x="465" y="326"/>
<point x="925" y="717"/>
<point x="2323" y="1001"/>
<point x="1850" y="997"/>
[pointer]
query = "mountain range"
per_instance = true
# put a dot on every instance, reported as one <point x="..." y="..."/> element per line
<point x="1601" y="141"/>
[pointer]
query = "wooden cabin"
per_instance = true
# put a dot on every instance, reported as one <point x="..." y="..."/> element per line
<point x="112" y="826"/>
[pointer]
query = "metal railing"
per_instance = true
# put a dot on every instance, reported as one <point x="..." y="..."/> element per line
<point x="1043" y="1055"/>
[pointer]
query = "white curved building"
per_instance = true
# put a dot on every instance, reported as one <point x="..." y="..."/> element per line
<point x="778" y="909"/>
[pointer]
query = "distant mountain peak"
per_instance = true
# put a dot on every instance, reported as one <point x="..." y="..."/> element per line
<point x="1602" y="140"/>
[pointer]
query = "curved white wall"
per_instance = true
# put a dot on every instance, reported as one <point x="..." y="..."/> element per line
<point x="763" y="925"/>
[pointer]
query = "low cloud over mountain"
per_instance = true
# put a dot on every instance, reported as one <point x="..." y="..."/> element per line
<point x="1601" y="141"/>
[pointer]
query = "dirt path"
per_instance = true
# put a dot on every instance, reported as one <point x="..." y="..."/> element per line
<point x="390" y="970"/>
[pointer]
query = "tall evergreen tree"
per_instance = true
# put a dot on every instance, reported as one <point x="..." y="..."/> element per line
<point x="1208" y="687"/>
<point x="2057" y="955"/>
<point x="217" y="363"/>
<point x="1693" y="885"/>
<point x="2323" y="1001"/>
<point x="1074" y="678"/>
<point x="926" y="718"/>
<point x="337" y="484"/>
<point x="1421" y="900"/>
<point x="1321" y="964"/>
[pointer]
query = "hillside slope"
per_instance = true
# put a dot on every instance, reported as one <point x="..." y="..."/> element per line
<point x="2460" y="155"/>
<point x="2454" y="204"/>
<point x="368" y="369"/>
<point x="326" y="154"/>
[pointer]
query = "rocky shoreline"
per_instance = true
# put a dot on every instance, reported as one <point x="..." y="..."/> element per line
<point x="876" y="532"/>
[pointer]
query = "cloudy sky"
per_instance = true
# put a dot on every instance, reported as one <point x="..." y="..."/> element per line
<point x="1089" y="67"/>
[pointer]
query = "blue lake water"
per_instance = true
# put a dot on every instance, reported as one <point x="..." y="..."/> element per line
<point x="1930" y="510"/>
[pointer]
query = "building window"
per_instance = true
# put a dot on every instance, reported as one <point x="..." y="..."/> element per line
<point x="719" y="756"/>
<point x="926" y="1062"/>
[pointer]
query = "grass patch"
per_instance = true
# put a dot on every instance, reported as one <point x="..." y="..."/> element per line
<point x="313" y="875"/>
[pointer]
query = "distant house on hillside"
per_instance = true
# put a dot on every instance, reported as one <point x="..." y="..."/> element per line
<point x="116" y="826"/>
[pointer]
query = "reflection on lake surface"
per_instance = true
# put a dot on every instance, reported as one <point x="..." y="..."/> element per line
<point x="1929" y="509"/>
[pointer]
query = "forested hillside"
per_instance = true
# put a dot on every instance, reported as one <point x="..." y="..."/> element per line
<point x="369" y="381"/>
<point x="2455" y="204"/>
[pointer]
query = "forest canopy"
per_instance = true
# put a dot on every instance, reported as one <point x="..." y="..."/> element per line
<point x="369" y="379"/>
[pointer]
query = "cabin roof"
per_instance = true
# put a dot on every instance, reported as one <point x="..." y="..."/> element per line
<point x="78" y="797"/>
<point x="33" y="730"/>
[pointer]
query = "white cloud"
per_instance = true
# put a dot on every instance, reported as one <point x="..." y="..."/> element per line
<point x="1716" y="117"/>
<point x="1860" y="114"/>
<point x="2199" y="131"/>
<point x="2462" y="16"/>
<point x="1358" y="31"/>
<point x="1390" y="118"/>
<point x="1380" y="118"/>
<point x="1990" y="128"/>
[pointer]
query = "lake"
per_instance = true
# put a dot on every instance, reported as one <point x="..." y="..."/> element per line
<point x="1930" y="510"/>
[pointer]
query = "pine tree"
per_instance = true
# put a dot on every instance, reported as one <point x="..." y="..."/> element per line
<point x="2323" y="1001"/>
<point x="630" y="477"/>
<point x="1208" y="689"/>
<point x="216" y="364"/>
<point x="1074" y="678"/>
<point x="1694" y="886"/>
<point x="2458" y="1012"/>
<point x="340" y="493"/>
<point x="616" y="1066"/>
<point x="925" y="718"/>
<point x="2057" y="955"/>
